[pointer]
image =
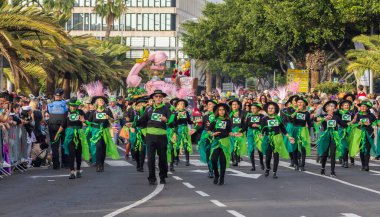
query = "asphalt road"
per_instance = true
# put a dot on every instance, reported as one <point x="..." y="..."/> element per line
<point x="121" y="191"/>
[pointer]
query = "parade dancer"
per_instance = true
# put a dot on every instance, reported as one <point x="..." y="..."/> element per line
<point x="100" y="121"/>
<point x="329" y="143"/>
<point x="347" y="116"/>
<point x="238" y="139"/>
<point x="182" y="120"/>
<point x="128" y="131"/>
<point x="204" y="144"/>
<point x="301" y="123"/>
<point x="172" y="154"/>
<point x="273" y="141"/>
<point x="75" y="143"/>
<point x="290" y="109"/>
<point x="362" y="134"/>
<point x="220" y="131"/>
<point x="117" y="115"/>
<point x="140" y="146"/>
<point x="253" y="130"/>
<point x="351" y="97"/>
<point x="155" y="118"/>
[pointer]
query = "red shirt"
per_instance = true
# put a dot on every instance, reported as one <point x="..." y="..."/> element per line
<point x="362" y="94"/>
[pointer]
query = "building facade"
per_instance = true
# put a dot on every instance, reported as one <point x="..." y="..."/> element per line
<point x="147" y="24"/>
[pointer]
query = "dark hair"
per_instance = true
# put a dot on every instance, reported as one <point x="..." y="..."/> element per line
<point x="360" y="87"/>
<point x="15" y="106"/>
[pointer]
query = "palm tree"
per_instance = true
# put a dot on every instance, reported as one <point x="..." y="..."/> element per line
<point x="110" y="10"/>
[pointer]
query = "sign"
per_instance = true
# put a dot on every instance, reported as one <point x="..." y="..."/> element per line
<point x="272" y="123"/>
<point x="156" y="117"/>
<point x="227" y="87"/>
<point x="301" y="76"/>
<point x="346" y="117"/>
<point x="300" y="116"/>
<point x="236" y="120"/>
<point x="255" y="119"/>
<point x="221" y="125"/>
<point x="331" y="123"/>
<point x="74" y="117"/>
<point x="101" y="116"/>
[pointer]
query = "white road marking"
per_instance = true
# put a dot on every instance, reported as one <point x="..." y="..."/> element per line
<point x="51" y="176"/>
<point x="203" y="194"/>
<point x="350" y="215"/>
<point x="117" y="163"/>
<point x="177" y="178"/>
<point x="284" y="164"/>
<point x="244" y="164"/>
<point x="197" y="163"/>
<point x="170" y="173"/>
<point x="199" y="171"/>
<point x="313" y="162"/>
<point x="158" y="189"/>
<point x="50" y="180"/>
<point x="234" y="213"/>
<point x="188" y="185"/>
<point x="217" y="203"/>
<point x="241" y="174"/>
<point x="121" y="148"/>
<point x="84" y="164"/>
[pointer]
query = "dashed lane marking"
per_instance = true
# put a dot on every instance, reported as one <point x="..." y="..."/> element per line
<point x="188" y="185"/>
<point x="177" y="178"/>
<point x="217" y="203"/>
<point x="203" y="194"/>
<point x="234" y="213"/>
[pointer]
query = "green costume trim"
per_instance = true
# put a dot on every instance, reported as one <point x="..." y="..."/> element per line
<point x="238" y="144"/>
<point x="357" y="141"/>
<point x="254" y="141"/>
<point x="77" y="136"/>
<point x="104" y="133"/>
<point x="204" y="144"/>
<point x="184" y="139"/>
<point x="139" y="140"/>
<point x="328" y="136"/>
<point x="155" y="131"/>
<point x="172" y="144"/>
<point x="290" y="129"/>
<point x="301" y="137"/>
<point x="224" y="144"/>
<point x="277" y="143"/>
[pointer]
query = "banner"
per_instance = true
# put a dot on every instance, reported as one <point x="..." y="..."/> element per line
<point x="301" y="76"/>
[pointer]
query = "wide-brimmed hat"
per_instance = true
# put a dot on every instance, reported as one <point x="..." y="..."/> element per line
<point x="158" y="92"/>
<point x="93" y="99"/>
<point x="181" y="100"/>
<point x="112" y="99"/>
<point x="212" y="101"/>
<point x="349" y="95"/>
<point x="172" y="101"/>
<point x="276" y="107"/>
<point x="366" y="103"/>
<point x="328" y="103"/>
<point x="141" y="100"/>
<point x="226" y="107"/>
<point x="235" y="100"/>
<point x="344" y="101"/>
<point x="74" y="102"/>
<point x="303" y="99"/>
<point x="290" y="100"/>
<point x="258" y="105"/>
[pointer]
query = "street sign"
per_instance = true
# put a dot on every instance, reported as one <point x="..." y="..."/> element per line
<point x="227" y="87"/>
<point x="301" y="76"/>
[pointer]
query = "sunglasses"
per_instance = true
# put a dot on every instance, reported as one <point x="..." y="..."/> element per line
<point x="158" y="96"/>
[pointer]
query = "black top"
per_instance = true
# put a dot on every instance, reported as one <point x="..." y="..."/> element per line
<point x="223" y="126"/>
<point x="37" y="119"/>
<point x="333" y="123"/>
<point x="88" y="114"/>
<point x="206" y="121"/>
<point x="345" y="116"/>
<point x="182" y="118"/>
<point x="301" y="119"/>
<point x="253" y="119"/>
<point x="72" y="119"/>
<point x="100" y="118"/>
<point x="270" y="125"/>
<point x="152" y="118"/>
<point x="238" y="121"/>
<point x="362" y="118"/>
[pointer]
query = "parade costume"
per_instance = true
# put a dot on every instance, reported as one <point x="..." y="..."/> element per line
<point x="118" y="113"/>
<point x="140" y="146"/>
<point x="238" y="142"/>
<point x="172" y="154"/>
<point x="204" y="144"/>
<point x="362" y="136"/>
<point x="181" y="121"/>
<point x="253" y="130"/>
<point x="287" y="112"/>
<point x="329" y="143"/>
<point x="221" y="144"/>
<point x="344" y="132"/>
<point x="156" y="138"/>
<point x="75" y="142"/>
<point x="273" y="140"/>
<point x="301" y="123"/>
<point x="129" y="133"/>
<point x="353" y="110"/>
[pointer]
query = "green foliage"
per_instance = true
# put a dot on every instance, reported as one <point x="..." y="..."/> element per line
<point x="369" y="58"/>
<point x="333" y="87"/>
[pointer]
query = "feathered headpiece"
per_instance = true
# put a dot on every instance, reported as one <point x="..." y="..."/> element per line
<point x="96" y="90"/>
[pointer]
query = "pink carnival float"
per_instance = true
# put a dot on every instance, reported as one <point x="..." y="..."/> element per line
<point x="180" y="85"/>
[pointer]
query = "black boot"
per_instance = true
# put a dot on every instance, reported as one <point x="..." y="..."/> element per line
<point x="345" y="164"/>
<point x="216" y="179"/>
<point x="323" y="171"/>
<point x="275" y="175"/>
<point x="303" y="169"/>
<point x="266" y="174"/>
<point x="332" y="174"/>
<point x="98" y="168"/>
<point x="221" y="181"/>
<point x="262" y="167"/>
<point x="296" y="167"/>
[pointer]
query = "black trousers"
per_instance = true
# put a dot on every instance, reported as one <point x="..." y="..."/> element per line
<point x="218" y="155"/>
<point x="140" y="157"/>
<point x="75" y="154"/>
<point x="261" y="157"/>
<point x="268" y="158"/>
<point x="365" y="156"/>
<point x="187" y="155"/>
<point x="208" y="152"/>
<point x="55" y="147"/>
<point x="157" y="144"/>
<point x="332" y="150"/>
<point x="100" y="152"/>
<point x="299" y="154"/>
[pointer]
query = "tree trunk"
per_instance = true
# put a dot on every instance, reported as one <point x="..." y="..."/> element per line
<point x="218" y="80"/>
<point x="66" y="85"/>
<point x="315" y="63"/>
<point x="50" y="85"/>
<point x="208" y="81"/>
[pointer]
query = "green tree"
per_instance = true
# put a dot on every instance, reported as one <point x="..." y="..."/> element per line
<point x="110" y="10"/>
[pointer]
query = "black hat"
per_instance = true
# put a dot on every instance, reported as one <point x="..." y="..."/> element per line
<point x="349" y="95"/>
<point x="141" y="100"/>
<point x="276" y="107"/>
<point x="172" y="101"/>
<point x="366" y="103"/>
<point x="303" y="99"/>
<point x="158" y="92"/>
<point x="344" y="101"/>
<point x="74" y="102"/>
<point x="328" y="103"/>
<point x="212" y="101"/>
<point x="226" y="107"/>
<point x="181" y="100"/>
<point x="258" y="105"/>
<point x="235" y="100"/>
<point x="58" y="92"/>
<point x="93" y="99"/>
<point x="290" y="100"/>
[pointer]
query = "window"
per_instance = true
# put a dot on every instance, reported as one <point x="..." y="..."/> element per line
<point x="104" y="22"/>
<point x="172" y="42"/>
<point x="156" y="22"/>
<point x="139" y="22"/>
<point x="81" y="3"/>
<point x="156" y="3"/>
<point x="69" y="24"/>
<point x="77" y="21"/>
<point x="128" y="3"/>
<point x="133" y="3"/>
<point x="146" y="22"/>
<point x="139" y="3"/>
<point x="93" y="22"/>
<point x="133" y="22"/>
<point x="162" y="42"/>
<point x="137" y="42"/>
<point x="168" y="22"/>
<point x="86" y="21"/>
<point x="151" y="22"/>
<point x="122" y="23"/>
<point x="116" y="23"/>
<point x="163" y="19"/>
<point x="93" y="3"/>
<point x="76" y="3"/>
<point x="146" y="3"/>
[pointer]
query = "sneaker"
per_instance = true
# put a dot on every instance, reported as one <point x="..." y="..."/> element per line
<point x="6" y="165"/>
<point x="72" y="176"/>
<point x="323" y="171"/>
<point x="79" y="175"/>
<point x="216" y="179"/>
<point x="152" y="182"/>
<point x="275" y="175"/>
<point x="332" y="175"/>
<point x="210" y="175"/>
<point x="266" y="174"/>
